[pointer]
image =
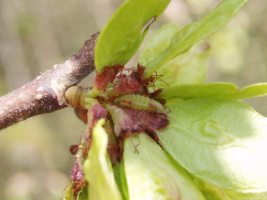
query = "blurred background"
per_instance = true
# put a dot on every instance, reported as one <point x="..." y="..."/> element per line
<point x="35" y="34"/>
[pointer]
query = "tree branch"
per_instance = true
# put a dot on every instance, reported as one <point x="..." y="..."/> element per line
<point x="46" y="92"/>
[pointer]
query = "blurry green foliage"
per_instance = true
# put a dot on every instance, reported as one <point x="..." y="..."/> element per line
<point x="26" y="25"/>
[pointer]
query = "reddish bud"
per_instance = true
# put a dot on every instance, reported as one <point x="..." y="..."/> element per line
<point x="106" y="77"/>
<point x="81" y="114"/>
<point x="74" y="149"/>
<point x="128" y="85"/>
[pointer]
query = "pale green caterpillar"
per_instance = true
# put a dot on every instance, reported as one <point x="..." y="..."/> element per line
<point x="118" y="117"/>
<point x="139" y="102"/>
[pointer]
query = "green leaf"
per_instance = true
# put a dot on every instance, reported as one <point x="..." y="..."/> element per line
<point x="125" y="31"/>
<point x="210" y="90"/>
<point x="151" y="175"/>
<point x="158" y="42"/>
<point x="222" y="142"/>
<point x="211" y="192"/>
<point x="246" y="196"/>
<point x="193" y="33"/>
<point x="188" y="68"/>
<point x="121" y="179"/>
<point x="68" y="194"/>
<point x="255" y="90"/>
<point x="218" y="90"/>
<point x="98" y="169"/>
<point x="83" y="194"/>
<point x="214" y="193"/>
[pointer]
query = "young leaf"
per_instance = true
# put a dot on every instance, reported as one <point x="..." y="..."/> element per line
<point x="214" y="90"/>
<point x="222" y="142"/>
<point x="151" y="174"/>
<point x="255" y="90"/>
<point x="121" y="179"/>
<point x="125" y="31"/>
<point x="215" y="193"/>
<point x="98" y="169"/>
<point x="210" y="90"/>
<point x="191" y="34"/>
<point x="246" y="196"/>
<point x="158" y="42"/>
<point x="188" y="68"/>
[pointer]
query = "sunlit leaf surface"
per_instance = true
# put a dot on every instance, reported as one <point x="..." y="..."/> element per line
<point x="219" y="90"/>
<point x="210" y="90"/>
<point x="151" y="175"/>
<point x="98" y="169"/>
<point x="125" y="31"/>
<point x="222" y="142"/>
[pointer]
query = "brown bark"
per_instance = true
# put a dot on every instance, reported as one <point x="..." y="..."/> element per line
<point x="46" y="92"/>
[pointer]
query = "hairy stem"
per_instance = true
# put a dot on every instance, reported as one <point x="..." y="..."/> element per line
<point x="46" y="92"/>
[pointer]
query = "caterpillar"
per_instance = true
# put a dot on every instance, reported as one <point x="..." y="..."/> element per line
<point x="139" y="102"/>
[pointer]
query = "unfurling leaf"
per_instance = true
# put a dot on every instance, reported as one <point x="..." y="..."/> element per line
<point x="98" y="170"/>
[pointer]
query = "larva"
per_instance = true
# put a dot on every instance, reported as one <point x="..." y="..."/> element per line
<point x="139" y="102"/>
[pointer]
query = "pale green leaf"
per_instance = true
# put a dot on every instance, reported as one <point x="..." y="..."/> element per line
<point x="151" y="175"/>
<point x="210" y="90"/>
<point x="222" y="142"/>
<point x="246" y="196"/>
<point x="125" y="31"/>
<point x="158" y="42"/>
<point x="191" y="34"/>
<point x="255" y="90"/>
<point x="215" y="193"/>
<point x="188" y="68"/>
<point x="218" y="90"/>
<point x="98" y="169"/>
